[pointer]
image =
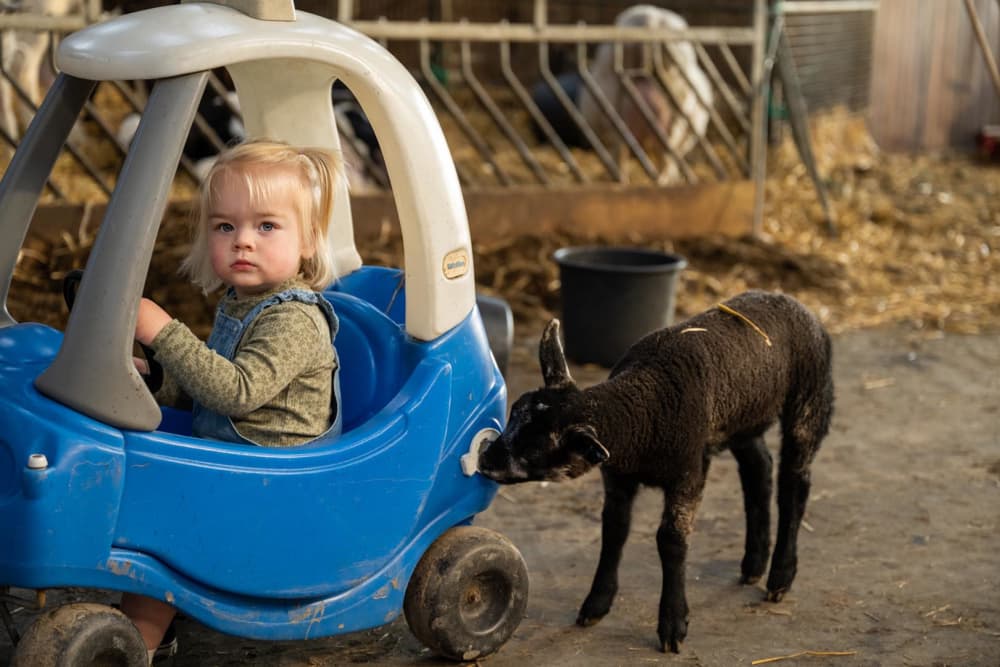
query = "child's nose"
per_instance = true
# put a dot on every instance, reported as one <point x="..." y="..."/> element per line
<point x="243" y="238"/>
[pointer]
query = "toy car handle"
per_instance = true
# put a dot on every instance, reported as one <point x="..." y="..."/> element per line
<point x="154" y="377"/>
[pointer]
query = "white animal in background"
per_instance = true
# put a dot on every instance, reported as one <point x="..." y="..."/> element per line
<point x="682" y="71"/>
<point x="23" y="60"/>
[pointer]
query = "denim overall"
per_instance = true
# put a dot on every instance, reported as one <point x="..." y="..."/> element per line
<point x="224" y="340"/>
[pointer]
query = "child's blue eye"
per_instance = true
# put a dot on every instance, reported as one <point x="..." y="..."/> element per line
<point x="266" y="226"/>
<point x="224" y="227"/>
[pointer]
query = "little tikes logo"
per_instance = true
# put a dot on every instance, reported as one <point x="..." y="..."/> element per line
<point x="456" y="263"/>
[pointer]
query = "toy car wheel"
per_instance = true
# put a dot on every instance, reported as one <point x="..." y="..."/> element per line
<point x="83" y="634"/>
<point x="467" y="594"/>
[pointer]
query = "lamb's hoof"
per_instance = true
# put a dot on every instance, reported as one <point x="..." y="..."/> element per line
<point x="674" y="647"/>
<point x="776" y="595"/>
<point x="671" y="635"/>
<point x="594" y="608"/>
<point x="749" y="579"/>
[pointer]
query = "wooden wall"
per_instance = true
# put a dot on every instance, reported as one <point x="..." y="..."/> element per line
<point x="930" y="87"/>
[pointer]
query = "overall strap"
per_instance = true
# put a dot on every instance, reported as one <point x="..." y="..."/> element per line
<point x="295" y="294"/>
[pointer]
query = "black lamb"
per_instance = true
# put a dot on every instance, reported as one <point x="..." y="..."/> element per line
<point x="677" y="397"/>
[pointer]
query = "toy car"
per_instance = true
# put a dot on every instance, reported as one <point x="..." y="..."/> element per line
<point x="101" y="488"/>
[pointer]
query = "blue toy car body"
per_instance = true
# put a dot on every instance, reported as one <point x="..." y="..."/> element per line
<point x="262" y="543"/>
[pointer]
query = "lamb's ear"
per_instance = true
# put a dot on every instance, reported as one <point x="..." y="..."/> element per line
<point x="582" y="441"/>
<point x="555" y="370"/>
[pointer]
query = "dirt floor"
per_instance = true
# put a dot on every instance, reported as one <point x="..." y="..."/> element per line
<point x="898" y="562"/>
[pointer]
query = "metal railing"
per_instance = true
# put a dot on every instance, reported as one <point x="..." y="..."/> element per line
<point x="498" y="132"/>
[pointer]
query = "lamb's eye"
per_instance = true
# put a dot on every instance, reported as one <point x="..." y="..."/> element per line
<point x="541" y="407"/>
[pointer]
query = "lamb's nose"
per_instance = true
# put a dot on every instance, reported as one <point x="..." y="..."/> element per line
<point x="493" y="460"/>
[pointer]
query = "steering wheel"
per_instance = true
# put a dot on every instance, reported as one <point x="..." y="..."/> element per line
<point x="154" y="379"/>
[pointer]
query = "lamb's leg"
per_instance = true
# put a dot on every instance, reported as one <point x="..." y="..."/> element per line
<point x="793" y="492"/>
<point x="671" y="542"/>
<point x="802" y="433"/>
<point x="755" y="476"/>
<point x="619" y="493"/>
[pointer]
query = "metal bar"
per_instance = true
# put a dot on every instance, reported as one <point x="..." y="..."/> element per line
<point x="95" y="115"/>
<point x="55" y="189"/>
<point x="763" y="62"/>
<point x="727" y="137"/>
<point x="497" y="115"/>
<point x="526" y="32"/>
<point x="647" y="113"/>
<point x="826" y="7"/>
<point x="202" y="125"/>
<point x="92" y="11"/>
<point x="78" y="157"/>
<point x="736" y="70"/>
<point x="477" y="141"/>
<point x="138" y="105"/>
<point x="222" y="91"/>
<point x="541" y="14"/>
<point x="40" y="22"/>
<point x="345" y="11"/>
<point x="53" y="47"/>
<point x="799" y="117"/>
<point x="702" y="141"/>
<point x="613" y="116"/>
<point x="135" y="99"/>
<point x="574" y="113"/>
<point x="738" y="108"/>
<point x="28" y="170"/>
<point x="977" y="26"/>
<point x="536" y="114"/>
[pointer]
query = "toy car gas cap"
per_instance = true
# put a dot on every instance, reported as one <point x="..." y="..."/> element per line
<point x="38" y="462"/>
<point x="470" y="460"/>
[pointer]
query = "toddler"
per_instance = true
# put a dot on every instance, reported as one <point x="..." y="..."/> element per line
<point x="268" y="374"/>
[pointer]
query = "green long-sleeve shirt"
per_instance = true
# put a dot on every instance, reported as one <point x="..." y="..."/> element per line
<point x="277" y="387"/>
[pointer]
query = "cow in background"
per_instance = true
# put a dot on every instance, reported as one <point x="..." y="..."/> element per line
<point x="680" y="67"/>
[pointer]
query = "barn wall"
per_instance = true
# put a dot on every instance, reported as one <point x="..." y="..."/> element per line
<point x="930" y="87"/>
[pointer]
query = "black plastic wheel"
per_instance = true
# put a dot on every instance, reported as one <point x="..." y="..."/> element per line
<point x="467" y="594"/>
<point x="81" y="635"/>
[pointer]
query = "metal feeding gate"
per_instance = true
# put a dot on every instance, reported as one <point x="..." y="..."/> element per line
<point x="524" y="95"/>
<point x="551" y="95"/>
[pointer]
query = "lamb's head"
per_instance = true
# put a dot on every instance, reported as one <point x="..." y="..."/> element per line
<point x="547" y="436"/>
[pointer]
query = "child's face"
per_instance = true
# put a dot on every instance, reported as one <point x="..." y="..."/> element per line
<point x="256" y="245"/>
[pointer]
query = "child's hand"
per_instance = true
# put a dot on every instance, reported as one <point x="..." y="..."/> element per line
<point x="141" y="365"/>
<point x="150" y="321"/>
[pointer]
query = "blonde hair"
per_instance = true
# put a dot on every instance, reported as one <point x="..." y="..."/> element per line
<point x="319" y="170"/>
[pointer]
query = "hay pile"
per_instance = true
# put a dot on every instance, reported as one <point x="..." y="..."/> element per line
<point x="918" y="244"/>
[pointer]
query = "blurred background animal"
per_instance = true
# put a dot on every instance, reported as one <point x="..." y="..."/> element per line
<point x="677" y="97"/>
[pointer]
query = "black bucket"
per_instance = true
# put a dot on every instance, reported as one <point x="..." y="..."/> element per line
<point x="612" y="297"/>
